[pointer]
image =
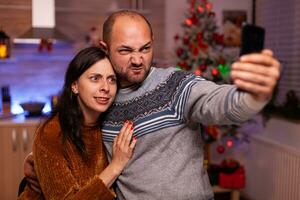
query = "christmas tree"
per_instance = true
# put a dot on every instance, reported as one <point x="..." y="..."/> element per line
<point x="201" y="49"/>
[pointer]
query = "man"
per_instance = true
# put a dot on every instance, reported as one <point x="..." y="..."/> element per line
<point x="167" y="107"/>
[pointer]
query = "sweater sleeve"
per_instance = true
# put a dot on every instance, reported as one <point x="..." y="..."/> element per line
<point x="210" y="103"/>
<point x="57" y="181"/>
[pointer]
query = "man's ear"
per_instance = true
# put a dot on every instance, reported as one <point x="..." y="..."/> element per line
<point x="103" y="45"/>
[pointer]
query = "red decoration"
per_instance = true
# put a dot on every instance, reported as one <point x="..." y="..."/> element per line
<point x="197" y="72"/>
<point x="214" y="72"/>
<point x="208" y="6"/>
<point x="194" y="19"/>
<point x="195" y="51"/>
<point x="189" y="22"/>
<point x="213" y="131"/>
<point x="229" y="143"/>
<point x="202" y="67"/>
<point x="199" y="37"/>
<point x="183" y="65"/>
<point x="220" y="149"/>
<point x="211" y="14"/>
<point x="235" y="180"/>
<point x="219" y="39"/>
<point x="179" y="52"/>
<point x="186" y="40"/>
<point x="200" y="9"/>
<point x="221" y="61"/>
<point x="176" y="37"/>
<point x="45" y="44"/>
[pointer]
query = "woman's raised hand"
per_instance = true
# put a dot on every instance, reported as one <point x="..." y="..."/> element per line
<point x="123" y="147"/>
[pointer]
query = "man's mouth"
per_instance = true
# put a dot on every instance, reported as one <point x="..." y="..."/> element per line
<point x="137" y="69"/>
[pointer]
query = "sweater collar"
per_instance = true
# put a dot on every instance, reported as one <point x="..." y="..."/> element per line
<point x="135" y="87"/>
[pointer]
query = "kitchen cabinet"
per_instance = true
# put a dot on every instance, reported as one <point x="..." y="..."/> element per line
<point x="16" y="138"/>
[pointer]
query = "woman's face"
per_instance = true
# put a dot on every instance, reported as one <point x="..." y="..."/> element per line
<point x="96" y="89"/>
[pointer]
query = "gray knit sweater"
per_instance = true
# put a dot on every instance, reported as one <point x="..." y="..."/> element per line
<point x="167" y="109"/>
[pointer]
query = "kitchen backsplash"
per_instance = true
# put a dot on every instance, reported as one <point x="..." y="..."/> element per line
<point x="34" y="75"/>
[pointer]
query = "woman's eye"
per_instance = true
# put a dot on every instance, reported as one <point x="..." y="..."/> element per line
<point x="94" y="78"/>
<point x="112" y="80"/>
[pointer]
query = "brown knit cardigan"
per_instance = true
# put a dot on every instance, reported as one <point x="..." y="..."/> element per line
<point x="62" y="172"/>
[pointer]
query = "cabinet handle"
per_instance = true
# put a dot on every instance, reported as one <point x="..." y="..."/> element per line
<point x="25" y="139"/>
<point x="14" y="140"/>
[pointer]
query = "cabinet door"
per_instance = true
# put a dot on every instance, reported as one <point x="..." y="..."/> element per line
<point x="16" y="144"/>
<point x="26" y="141"/>
<point x="10" y="162"/>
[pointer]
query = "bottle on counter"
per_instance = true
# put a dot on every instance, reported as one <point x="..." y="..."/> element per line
<point x="6" y="100"/>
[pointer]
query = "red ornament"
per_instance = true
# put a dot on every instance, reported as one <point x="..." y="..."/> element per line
<point x="194" y="19"/>
<point x="195" y="51"/>
<point x="189" y="22"/>
<point x="208" y="6"/>
<point x="179" y="52"/>
<point x="176" y="37"/>
<point x="213" y="131"/>
<point x="219" y="39"/>
<point x="199" y="37"/>
<point x="202" y="67"/>
<point x="220" y="149"/>
<point x="214" y="72"/>
<point x="197" y="72"/>
<point x="200" y="9"/>
<point x="229" y="143"/>
<point x="184" y="65"/>
<point x="211" y="14"/>
<point x="186" y="40"/>
<point x="221" y="61"/>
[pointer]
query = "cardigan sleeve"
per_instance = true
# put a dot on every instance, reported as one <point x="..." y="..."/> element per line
<point x="57" y="181"/>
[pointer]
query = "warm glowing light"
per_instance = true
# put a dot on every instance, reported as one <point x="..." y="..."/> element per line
<point x="229" y="143"/>
<point x="3" y="51"/>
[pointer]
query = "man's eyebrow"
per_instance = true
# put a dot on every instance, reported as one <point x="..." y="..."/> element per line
<point x="124" y="47"/>
<point x="145" y="45"/>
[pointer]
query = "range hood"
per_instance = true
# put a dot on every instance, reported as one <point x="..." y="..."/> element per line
<point x="43" y="24"/>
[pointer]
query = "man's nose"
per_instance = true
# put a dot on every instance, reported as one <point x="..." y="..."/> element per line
<point x="136" y="58"/>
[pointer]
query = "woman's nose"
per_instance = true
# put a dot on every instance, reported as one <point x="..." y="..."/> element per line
<point x="104" y="86"/>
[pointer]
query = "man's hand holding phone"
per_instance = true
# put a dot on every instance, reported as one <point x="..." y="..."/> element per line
<point x="257" y="71"/>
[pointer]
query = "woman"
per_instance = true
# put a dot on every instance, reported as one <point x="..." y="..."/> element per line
<point x="69" y="155"/>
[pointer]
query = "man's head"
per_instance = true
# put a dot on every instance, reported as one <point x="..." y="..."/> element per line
<point x="129" y="40"/>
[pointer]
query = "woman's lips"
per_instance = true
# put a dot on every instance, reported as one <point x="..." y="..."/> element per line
<point x="102" y="100"/>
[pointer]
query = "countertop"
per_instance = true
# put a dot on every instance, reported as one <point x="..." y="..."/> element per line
<point x="20" y="120"/>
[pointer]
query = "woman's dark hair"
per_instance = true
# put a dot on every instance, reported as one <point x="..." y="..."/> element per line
<point x="68" y="110"/>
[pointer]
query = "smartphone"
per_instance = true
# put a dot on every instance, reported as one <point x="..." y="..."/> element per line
<point x="252" y="39"/>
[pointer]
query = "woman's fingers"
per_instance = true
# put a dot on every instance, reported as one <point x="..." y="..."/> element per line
<point x="133" y="142"/>
<point x="121" y="134"/>
<point x="125" y="135"/>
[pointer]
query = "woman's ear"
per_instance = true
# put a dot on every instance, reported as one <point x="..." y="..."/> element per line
<point x="75" y="87"/>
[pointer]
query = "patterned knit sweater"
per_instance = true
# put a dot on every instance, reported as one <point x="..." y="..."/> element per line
<point x="61" y="171"/>
<point x="167" y="110"/>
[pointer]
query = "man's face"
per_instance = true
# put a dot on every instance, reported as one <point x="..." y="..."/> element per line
<point x="131" y="50"/>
